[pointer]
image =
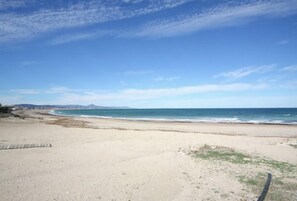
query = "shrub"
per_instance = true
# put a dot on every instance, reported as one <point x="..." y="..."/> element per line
<point x="5" y="109"/>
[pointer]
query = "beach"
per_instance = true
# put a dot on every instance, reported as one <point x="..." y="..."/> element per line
<point x="113" y="159"/>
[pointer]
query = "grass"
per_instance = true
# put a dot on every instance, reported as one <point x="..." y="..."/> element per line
<point x="293" y="145"/>
<point x="283" y="186"/>
<point x="221" y="153"/>
<point x="281" y="166"/>
<point x="248" y="181"/>
<point x="279" y="189"/>
<point x="229" y="155"/>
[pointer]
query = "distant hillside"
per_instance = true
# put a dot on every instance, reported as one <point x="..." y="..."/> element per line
<point x="91" y="106"/>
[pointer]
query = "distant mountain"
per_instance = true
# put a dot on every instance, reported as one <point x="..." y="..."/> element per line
<point x="91" y="106"/>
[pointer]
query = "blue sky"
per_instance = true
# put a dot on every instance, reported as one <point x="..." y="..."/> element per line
<point x="153" y="53"/>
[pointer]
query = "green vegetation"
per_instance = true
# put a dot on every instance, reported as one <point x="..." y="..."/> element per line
<point x="281" y="166"/>
<point x="229" y="155"/>
<point x="284" y="180"/>
<point x="222" y="154"/>
<point x="4" y="109"/>
<point x="279" y="188"/>
<point x="293" y="145"/>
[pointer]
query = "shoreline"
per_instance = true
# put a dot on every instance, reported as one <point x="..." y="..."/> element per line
<point x="232" y="129"/>
<point x="52" y="112"/>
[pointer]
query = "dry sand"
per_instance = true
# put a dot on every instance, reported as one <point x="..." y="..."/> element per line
<point x="107" y="159"/>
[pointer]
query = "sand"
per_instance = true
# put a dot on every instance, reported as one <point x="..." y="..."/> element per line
<point x="108" y="159"/>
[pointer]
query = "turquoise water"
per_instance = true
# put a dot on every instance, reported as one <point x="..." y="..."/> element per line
<point x="259" y="115"/>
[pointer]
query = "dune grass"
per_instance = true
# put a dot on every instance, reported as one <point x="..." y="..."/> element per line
<point x="280" y="188"/>
<point x="230" y="155"/>
<point x="284" y="182"/>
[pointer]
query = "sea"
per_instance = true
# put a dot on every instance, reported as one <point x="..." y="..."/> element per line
<point x="240" y="115"/>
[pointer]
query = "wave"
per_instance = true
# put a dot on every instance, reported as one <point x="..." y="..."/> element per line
<point x="234" y="119"/>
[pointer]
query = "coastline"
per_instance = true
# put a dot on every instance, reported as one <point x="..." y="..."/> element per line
<point x="173" y="120"/>
<point x="112" y="159"/>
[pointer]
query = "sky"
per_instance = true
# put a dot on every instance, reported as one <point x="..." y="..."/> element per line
<point x="149" y="53"/>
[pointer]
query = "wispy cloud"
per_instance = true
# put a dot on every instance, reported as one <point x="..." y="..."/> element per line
<point x="26" y="91"/>
<point x="65" y="95"/>
<point x="166" y="79"/>
<point x="282" y="42"/>
<point x="163" y="92"/>
<point x="289" y="68"/>
<point x="230" y="14"/>
<point x="53" y="90"/>
<point x="27" y="63"/>
<point x="292" y="84"/>
<point x="72" y="14"/>
<point x="68" y="38"/>
<point x="11" y="4"/>
<point x="10" y="99"/>
<point x="243" y="72"/>
<point x="138" y="72"/>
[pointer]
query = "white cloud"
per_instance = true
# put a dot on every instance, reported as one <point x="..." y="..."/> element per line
<point x="292" y="84"/>
<point x="243" y="72"/>
<point x="11" y="4"/>
<point x="139" y="72"/>
<point x="289" y="68"/>
<point x="68" y="38"/>
<point x="53" y="90"/>
<point x="166" y="79"/>
<point x="282" y="42"/>
<point x="128" y="96"/>
<point x="11" y="99"/>
<point x="221" y="16"/>
<point x="26" y="91"/>
<point x="27" y="63"/>
<point x="29" y="24"/>
<point x="165" y="92"/>
<point x="133" y="1"/>
<point x="226" y="102"/>
<point x="135" y="95"/>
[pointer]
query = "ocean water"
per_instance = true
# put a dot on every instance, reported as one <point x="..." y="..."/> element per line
<point x="256" y="116"/>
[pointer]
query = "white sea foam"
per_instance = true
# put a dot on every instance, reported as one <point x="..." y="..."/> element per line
<point x="269" y="122"/>
<point x="234" y="119"/>
<point x="84" y="116"/>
